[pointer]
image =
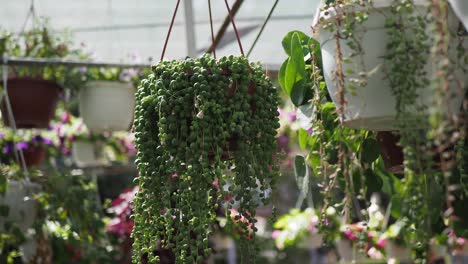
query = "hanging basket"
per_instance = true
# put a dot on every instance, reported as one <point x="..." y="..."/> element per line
<point x="33" y="102"/>
<point x="349" y="253"/>
<point x="392" y="153"/>
<point x="373" y="106"/>
<point x="87" y="153"/>
<point x="107" y="106"/>
<point x="460" y="8"/>
<point x="34" y="156"/>
<point x="397" y="252"/>
<point x="23" y="208"/>
<point x="311" y="241"/>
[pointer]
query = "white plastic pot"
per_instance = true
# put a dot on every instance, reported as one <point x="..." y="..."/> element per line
<point x="460" y="8"/>
<point x="438" y="251"/>
<point x="397" y="252"/>
<point x="87" y="153"/>
<point x="348" y="253"/>
<point x="312" y="241"/>
<point x="107" y="106"/>
<point x="372" y="106"/>
<point x="22" y="206"/>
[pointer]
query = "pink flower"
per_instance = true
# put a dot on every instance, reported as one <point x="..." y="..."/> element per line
<point x="382" y="242"/>
<point x="65" y="118"/>
<point x="460" y="241"/>
<point x="275" y="234"/>
<point x="350" y="235"/>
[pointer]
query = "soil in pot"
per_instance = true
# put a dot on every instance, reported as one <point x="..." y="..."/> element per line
<point x="33" y="102"/>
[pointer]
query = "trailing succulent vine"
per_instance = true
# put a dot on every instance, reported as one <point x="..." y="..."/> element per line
<point x="205" y="132"/>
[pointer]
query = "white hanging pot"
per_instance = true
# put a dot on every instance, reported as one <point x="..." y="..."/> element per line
<point x="373" y="105"/>
<point x="88" y="154"/>
<point x="348" y="253"/>
<point x="22" y="206"/>
<point x="107" y="106"/>
<point x="438" y="251"/>
<point x="397" y="252"/>
<point x="460" y="8"/>
<point x="311" y="241"/>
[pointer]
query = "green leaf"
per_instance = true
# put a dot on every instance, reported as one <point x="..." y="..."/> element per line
<point x="4" y="210"/>
<point x="303" y="135"/>
<point x="370" y="150"/>
<point x="297" y="55"/>
<point x="290" y="76"/>
<point x="373" y="182"/>
<point x="315" y="160"/>
<point x="286" y="42"/>
<point x="297" y="93"/>
<point x="282" y="75"/>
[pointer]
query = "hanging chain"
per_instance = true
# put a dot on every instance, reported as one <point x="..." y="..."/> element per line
<point x="212" y="32"/>
<point x="18" y="152"/>
<point x="235" y="28"/>
<point x="170" y="29"/>
<point x="262" y="28"/>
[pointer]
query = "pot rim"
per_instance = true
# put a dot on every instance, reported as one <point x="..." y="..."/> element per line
<point x="328" y="14"/>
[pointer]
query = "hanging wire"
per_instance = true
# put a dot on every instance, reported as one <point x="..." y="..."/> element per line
<point x="212" y="32"/>
<point x="235" y="28"/>
<point x="263" y="27"/>
<point x="170" y="29"/>
<point x="31" y="13"/>
<point x="12" y="122"/>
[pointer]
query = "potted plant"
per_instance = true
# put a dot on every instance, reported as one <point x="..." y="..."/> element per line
<point x="34" y="91"/>
<point x="18" y="209"/>
<point x="108" y="99"/>
<point x="89" y="149"/>
<point x="358" y="44"/>
<point x="195" y="119"/>
<point x="460" y="8"/>
<point x="297" y="228"/>
<point x="393" y="240"/>
<point x="34" y="145"/>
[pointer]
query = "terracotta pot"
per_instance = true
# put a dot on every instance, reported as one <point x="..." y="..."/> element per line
<point x="34" y="156"/>
<point x="392" y="153"/>
<point x="33" y="102"/>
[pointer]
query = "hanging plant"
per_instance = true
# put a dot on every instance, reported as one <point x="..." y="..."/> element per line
<point x="205" y="132"/>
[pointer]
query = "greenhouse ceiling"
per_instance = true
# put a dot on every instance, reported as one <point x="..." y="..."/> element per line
<point x="114" y="29"/>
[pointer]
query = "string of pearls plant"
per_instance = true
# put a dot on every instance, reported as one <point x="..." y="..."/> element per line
<point x="205" y="132"/>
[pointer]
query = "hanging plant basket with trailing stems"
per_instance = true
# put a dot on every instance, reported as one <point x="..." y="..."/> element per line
<point x="359" y="33"/>
<point x="194" y="119"/>
<point x="34" y="91"/>
<point x="460" y="8"/>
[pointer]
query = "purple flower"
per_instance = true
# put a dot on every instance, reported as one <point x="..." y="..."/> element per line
<point x="2" y="135"/>
<point x="82" y="70"/>
<point x="127" y="75"/>
<point x="37" y="139"/>
<point x="292" y="117"/>
<point x="283" y="143"/>
<point x="8" y="148"/>
<point x="310" y="131"/>
<point x="48" y="141"/>
<point x="22" y="145"/>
